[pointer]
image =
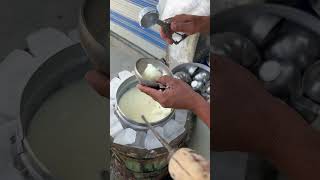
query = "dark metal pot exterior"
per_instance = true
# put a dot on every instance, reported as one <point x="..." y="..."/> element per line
<point x="142" y="163"/>
<point x="96" y="52"/>
<point x="38" y="88"/>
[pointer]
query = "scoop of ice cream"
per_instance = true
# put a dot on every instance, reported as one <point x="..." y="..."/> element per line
<point x="161" y="112"/>
<point x="151" y="73"/>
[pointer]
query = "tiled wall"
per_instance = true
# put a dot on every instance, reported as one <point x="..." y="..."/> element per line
<point x="124" y="22"/>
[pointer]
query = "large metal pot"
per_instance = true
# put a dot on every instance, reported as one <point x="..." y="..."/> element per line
<point x="60" y="70"/>
<point x="248" y="15"/>
<point x="129" y="162"/>
<point x="243" y="20"/>
<point x="126" y="122"/>
<point x="93" y="33"/>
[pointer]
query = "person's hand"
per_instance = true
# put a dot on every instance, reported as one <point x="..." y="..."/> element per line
<point x="166" y="37"/>
<point x="99" y="82"/>
<point x="248" y="119"/>
<point x="188" y="24"/>
<point x="178" y="95"/>
<point x="246" y="116"/>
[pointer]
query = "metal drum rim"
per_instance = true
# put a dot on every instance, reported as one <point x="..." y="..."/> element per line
<point x="127" y="84"/>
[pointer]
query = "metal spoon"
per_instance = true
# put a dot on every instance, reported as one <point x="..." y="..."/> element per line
<point x="149" y="17"/>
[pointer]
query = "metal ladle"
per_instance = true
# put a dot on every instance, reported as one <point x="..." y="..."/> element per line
<point x="149" y="17"/>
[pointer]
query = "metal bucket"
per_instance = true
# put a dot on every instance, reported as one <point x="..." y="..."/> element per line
<point x="135" y="163"/>
<point x="126" y="122"/>
<point x="59" y="71"/>
<point x="94" y="33"/>
<point x="130" y="162"/>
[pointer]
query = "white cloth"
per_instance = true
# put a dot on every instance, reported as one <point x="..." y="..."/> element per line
<point x="171" y="8"/>
<point x="183" y="52"/>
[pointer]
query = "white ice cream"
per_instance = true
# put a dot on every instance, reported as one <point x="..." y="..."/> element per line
<point x="134" y="103"/>
<point x="151" y="73"/>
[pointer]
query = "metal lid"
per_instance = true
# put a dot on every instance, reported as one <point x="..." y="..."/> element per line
<point x="269" y="71"/>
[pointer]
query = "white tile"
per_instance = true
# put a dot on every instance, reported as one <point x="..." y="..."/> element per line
<point x="7" y="130"/>
<point x="74" y="35"/>
<point x="47" y="42"/>
<point x="123" y="75"/>
<point x="15" y="71"/>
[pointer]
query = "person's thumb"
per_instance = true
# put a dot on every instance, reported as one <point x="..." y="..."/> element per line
<point x="165" y="79"/>
<point x="155" y="94"/>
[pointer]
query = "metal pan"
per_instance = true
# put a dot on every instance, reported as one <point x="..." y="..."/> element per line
<point x="93" y="33"/>
<point x="228" y="21"/>
<point x="58" y="71"/>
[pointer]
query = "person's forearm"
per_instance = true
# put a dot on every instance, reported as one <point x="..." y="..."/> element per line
<point x="294" y="146"/>
<point x="202" y="109"/>
<point x="299" y="159"/>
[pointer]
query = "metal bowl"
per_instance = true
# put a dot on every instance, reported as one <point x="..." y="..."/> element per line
<point x="127" y="122"/>
<point x="196" y="85"/>
<point x="184" y="67"/>
<point x="72" y="63"/>
<point x="141" y="65"/>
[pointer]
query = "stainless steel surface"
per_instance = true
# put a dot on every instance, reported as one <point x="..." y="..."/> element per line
<point x="141" y="65"/>
<point x="183" y="76"/>
<point x="157" y="135"/>
<point x="197" y="85"/>
<point x="202" y="76"/>
<point x="93" y="33"/>
<point x="206" y="96"/>
<point x="126" y="122"/>
<point x="207" y="87"/>
<point x="192" y="69"/>
<point x="63" y="68"/>
<point x="148" y="17"/>
<point x="183" y="67"/>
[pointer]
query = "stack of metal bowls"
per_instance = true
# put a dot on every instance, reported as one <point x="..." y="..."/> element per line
<point x="196" y="75"/>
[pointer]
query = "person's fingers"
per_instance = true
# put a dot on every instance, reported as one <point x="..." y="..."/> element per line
<point x="155" y="94"/>
<point x="162" y="34"/>
<point x="169" y="41"/>
<point x="99" y="82"/>
<point x="186" y="27"/>
<point x="165" y="79"/>
<point x="183" y="23"/>
<point x="165" y="37"/>
<point x="182" y="18"/>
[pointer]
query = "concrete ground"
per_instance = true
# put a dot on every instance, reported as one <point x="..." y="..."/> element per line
<point x="123" y="55"/>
